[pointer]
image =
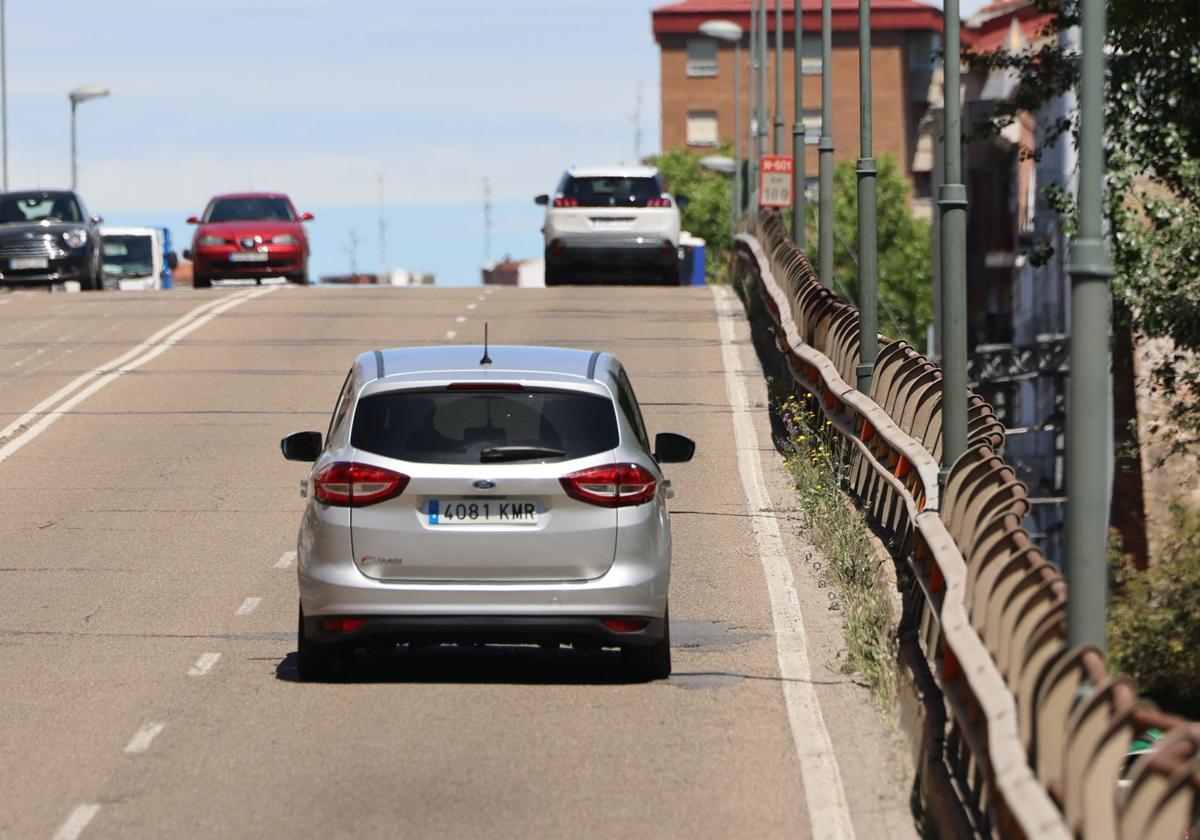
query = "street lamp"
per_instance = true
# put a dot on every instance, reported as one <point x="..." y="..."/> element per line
<point x="730" y="32"/>
<point x="81" y="94"/>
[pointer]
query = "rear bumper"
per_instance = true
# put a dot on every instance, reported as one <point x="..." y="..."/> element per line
<point x="632" y="251"/>
<point x="488" y="628"/>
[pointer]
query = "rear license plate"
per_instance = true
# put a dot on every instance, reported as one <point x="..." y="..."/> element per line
<point x="251" y="257"/>
<point x="25" y="263"/>
<point x="482" y="512"/>
<point x="611" y="224"/>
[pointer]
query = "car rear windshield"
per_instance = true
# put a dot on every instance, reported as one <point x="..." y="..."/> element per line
<point x="457" y="427"/>
<point x="611" y="191"/>
<point x="249" y="209"/>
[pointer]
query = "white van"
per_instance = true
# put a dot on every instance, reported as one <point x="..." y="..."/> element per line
<point x="133" y="258"/>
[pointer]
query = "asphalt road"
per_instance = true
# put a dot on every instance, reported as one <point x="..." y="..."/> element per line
<point x="148" y="599"/>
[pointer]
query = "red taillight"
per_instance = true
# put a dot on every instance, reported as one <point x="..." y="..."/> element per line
<point x="621" y="625"/>
<point x="613" y="485"/>
<point x="485" y="386"/>
<point x="664" y="201"/>
<point x="566" y="202"/>
<point x="356" y="485"/>
<point x="341" y="625"/>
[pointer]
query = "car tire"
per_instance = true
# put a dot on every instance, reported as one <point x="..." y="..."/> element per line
<point x="300" y="279"/>
<point x="201" y="281"/>
<point x="315" y="662"/>
<point x="671" y="277"/>
<point x="650" y="662"/>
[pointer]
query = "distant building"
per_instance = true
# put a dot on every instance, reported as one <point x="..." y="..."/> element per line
<point x="697" y="79"/>
<point x="526" y="274"/>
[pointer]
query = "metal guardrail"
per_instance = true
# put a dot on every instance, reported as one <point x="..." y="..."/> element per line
<point x="1038" y="734"/>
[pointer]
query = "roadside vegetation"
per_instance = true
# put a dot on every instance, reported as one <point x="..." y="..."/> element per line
<point x="818" y="463"/>
<point x="709" y="195"/>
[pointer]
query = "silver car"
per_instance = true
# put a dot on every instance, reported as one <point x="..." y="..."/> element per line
<point x="508" y="495"/>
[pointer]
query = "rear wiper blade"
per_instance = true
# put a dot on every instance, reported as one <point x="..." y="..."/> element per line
<point x="518" y="453"/>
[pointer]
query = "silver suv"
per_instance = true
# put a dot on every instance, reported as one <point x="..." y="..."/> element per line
<point x="604" y="221"/>
<point x="467" y="495"/>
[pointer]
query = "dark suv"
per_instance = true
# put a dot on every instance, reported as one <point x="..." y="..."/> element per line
<point x="47" y="237"/>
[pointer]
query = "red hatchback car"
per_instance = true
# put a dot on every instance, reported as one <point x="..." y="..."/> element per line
<point x="249" y="235"/>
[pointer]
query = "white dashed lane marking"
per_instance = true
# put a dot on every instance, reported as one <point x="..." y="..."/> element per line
<point x="451" y="333"/>
<point x="144" y="737"/>
<point x="248" y="606"/>
<point x="204" y="664"/>
<point x="285" y="560"/>
<point x="76" y="822"/>
<point x="472" y="305"/>
<point x="462" y="319"/>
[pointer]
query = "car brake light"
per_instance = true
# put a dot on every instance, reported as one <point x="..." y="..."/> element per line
<point x="341" y="625"/>
<point x="485" y="386"/>
<point x="566" y="202"/>
<point x="662" y="201"/>
<point x="621" y="625"/>
<point x="356" y="485"/>
<point x="613" y="485"/>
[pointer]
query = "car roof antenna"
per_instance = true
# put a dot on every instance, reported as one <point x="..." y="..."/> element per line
<point x="486" y="360"/>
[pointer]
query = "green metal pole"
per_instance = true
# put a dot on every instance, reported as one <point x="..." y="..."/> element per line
<point x="735" y="205"/>
<point x="934" y="350"/>
<point x="762" y="79"/>
<point x="799" y="176"/>
<point x="752" y="152"/>
<point x="952" y="204"/>
<point x="1089" y="417"/>
<point x="777" y="140"/>
<point x="868" y="333"/>
<point x="825" y="151"/>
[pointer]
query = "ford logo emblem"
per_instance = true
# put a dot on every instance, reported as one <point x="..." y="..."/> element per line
<point x="484" y="484"/>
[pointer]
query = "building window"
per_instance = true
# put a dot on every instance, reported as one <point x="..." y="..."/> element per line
<point x="702" y="128"/>
<point x="702" y="57"/>
<point x="810" y="56"/>
<point x="811" y="117"/>
<point x="925" y="50"/>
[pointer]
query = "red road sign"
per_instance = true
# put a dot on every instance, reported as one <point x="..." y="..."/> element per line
<point x="775" y="182"/>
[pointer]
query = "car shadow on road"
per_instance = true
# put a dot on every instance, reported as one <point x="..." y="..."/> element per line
<point x="474" y="664"/>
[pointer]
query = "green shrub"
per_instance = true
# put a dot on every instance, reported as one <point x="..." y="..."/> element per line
<point x="1154" y="623"/>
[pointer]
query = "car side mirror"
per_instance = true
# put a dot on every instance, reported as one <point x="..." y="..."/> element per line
<point x="301" y="446"/>
<point x="173" y="260"/>
<point x="307" y="217"/>
<point x="541" y="200"/>
<point x="193" y="220"/>
<point x="683" y="201"/>
<point x="670" y="448"/>
<point x="97" y="220"/>
<point x="187" y="254"/>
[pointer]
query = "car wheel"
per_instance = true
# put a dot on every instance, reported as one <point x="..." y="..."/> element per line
<point x="300" y="279"/>
<point x="650" y="662"/>
<point x="200" y="281"/>
<point x="315" y="662"/>
<point x="672" y="277"/>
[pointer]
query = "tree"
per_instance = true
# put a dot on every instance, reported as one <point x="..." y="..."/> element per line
<point x="709" y="195"/>
<point x="1153" y="172"/>
<point x="905" y="269"/>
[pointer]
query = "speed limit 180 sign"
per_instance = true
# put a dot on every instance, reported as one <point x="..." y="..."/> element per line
<point x="775" y="182"/>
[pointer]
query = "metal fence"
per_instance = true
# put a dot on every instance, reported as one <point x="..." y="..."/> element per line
<point x="1038" y="736"/>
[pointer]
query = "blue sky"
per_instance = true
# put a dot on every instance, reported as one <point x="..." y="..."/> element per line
<point x="318" y="98"/>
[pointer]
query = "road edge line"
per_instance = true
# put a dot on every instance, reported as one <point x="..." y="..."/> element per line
<point x="824" y="793"/>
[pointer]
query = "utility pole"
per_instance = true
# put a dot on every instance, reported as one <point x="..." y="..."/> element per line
<point x="761" y="142"/>
<point x="3" y="95"/>
<point x="1089" y="414"/>
<point x="487" y="220"/>
<point x="382" y="231"/>
<point x="352" y="249"/>
<point x="637" y="125"/>
<point x="868" y="333"/>
<point x="825" y="151"/>
<point x="777" y="140"/>
<point x="799" y="176"/>
<point x="952" y="205"/>
<point x="937" y="126"/>
<point x="752" y="100"/>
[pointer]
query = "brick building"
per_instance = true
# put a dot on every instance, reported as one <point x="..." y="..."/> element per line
<point x="697" y="77"/>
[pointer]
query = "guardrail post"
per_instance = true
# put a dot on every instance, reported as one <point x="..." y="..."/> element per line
<point x="1089" y="418"/>
<point x="799" y="176"/>
<point x="825" y="152"/>
<point x="868" y="332"/>
<point x="952" y="205"/>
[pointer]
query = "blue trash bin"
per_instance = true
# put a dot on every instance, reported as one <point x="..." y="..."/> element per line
<point x="692" y="270"/>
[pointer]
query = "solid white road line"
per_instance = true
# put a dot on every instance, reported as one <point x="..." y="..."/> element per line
<point x="285" y="560"/>
<point x="84" y="378"/>
<point x="248" y="606"/>
<point x="204" y="664"/>
<point x="824" y="794"/>
<point x="76" y="822"/>
<point x="144" y="737"/>
<point x="105" y="376"/>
